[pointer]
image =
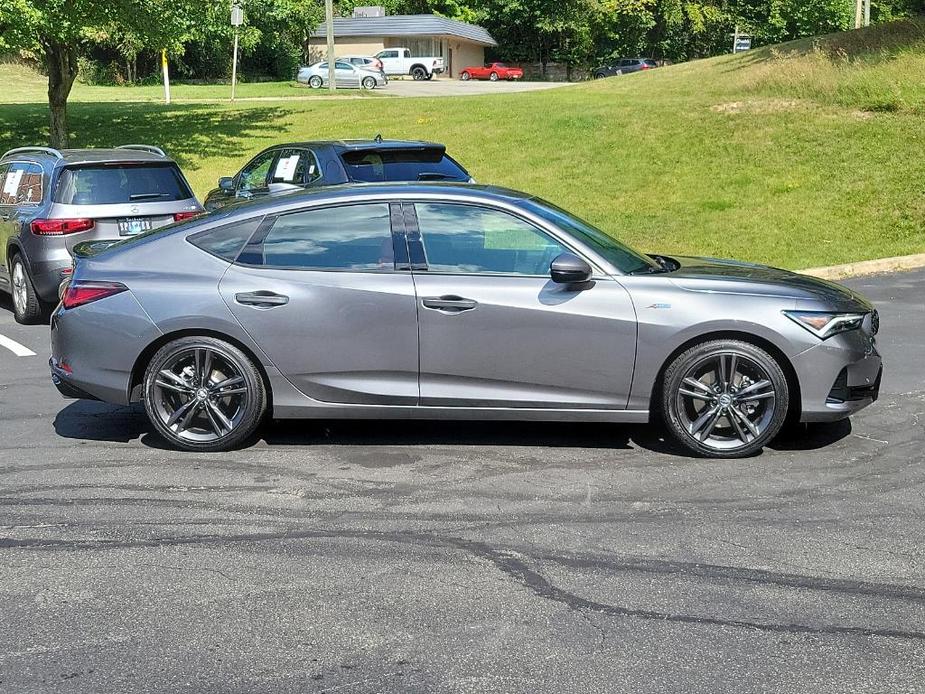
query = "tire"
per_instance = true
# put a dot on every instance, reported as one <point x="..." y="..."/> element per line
<point x="599" y="75"/>
<point x="418" y="73"/>
<point x="493" y="77"/>
<point x="27" y="307"/>
<point x="465" y="76"/>
<point x="315" y="82"/>
<point x="713" y="401"/>
<point x="215" y="414"/>
<point x="369" y="83"/>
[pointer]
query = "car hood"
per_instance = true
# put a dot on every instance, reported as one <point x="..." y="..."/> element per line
<point x="718" y="275"/>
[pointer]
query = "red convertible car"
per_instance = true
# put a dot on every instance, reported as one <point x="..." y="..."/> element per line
<point x="493" y="72"/>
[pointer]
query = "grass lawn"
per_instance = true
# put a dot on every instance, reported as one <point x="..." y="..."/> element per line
<point x="802" y="155"/>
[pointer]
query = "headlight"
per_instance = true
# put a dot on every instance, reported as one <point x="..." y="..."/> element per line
<point x="824" y="324"/>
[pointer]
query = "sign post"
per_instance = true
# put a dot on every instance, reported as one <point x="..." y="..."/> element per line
<point x="741" y="42"/>
<point x="237" y="19"/>
<point x="329" y="21"/>
<point x="166" y="75"/>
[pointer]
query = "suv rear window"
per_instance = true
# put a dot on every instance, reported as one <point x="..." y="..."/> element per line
<point x="402" y="165"/>
<point x="107" y="184"/>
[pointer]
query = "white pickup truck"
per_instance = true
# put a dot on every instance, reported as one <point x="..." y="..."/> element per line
<point x="398" y="61"/>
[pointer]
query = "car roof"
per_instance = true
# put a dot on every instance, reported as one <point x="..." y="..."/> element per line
<point x="363" y="144"/>
<point x="86" y="155"/>
<point x="401" y="189"/>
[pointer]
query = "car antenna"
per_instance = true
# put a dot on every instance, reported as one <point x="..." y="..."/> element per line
<point x="378" y="138"/>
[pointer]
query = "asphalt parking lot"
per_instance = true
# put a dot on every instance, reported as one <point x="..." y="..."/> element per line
<point x="440" y="557"/>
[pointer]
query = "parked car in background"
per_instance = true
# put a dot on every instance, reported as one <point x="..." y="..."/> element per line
<point x="437" y="301"/>
<point x="346" y="75"/>
<point x="399" y="61"/>
<point x="624" y="66"/>
<point x="363" y="61"/>
<point x="52" y="199"/>
<point x="284" y="168"/>
<point x="492" y="71"/>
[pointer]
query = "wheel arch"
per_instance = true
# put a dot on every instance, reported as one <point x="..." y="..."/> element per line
<point x="141" y="362"/>
<point x="414" y="66"/>
<point x="793" y="383"/>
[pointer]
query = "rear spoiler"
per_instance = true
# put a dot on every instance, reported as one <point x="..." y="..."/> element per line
<point x="88" y="249"/>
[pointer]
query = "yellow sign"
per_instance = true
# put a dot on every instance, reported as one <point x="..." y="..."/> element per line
<point x="164" y="58"/>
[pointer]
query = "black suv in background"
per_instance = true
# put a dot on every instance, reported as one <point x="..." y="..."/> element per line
<point x="624" y="66"/>
<point x="287" y="167"/>
<point x="52" y="199"/>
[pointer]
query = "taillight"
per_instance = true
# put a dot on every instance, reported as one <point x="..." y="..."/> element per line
<point x="183" y="216"/>
<point x="60" y="227"/>
<point x="83" y="292"/>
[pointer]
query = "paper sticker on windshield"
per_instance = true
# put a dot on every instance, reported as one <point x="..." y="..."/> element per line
<point x="285" y="168"/>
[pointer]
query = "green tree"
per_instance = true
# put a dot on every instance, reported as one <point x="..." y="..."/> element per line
<point x="56" y="30"/>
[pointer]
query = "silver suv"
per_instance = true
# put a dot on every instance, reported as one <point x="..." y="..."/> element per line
<point x="52" y="199"/>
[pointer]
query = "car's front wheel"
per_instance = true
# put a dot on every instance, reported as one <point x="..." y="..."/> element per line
<point x="203" y="394"/>
<point x="315" y="82"/>
<point x="27" y="307"/>
<point x="724" y="398"/>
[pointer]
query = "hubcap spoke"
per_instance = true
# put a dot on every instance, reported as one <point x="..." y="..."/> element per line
<point x="181" y="411"/>
<point x="188" y="417"/>
<point x="753" y="388"/>
<point x="696" y="395"/>
<point x="697" y="425"/>
<point x="227" y="383"/>
<point x="721" y="378"/>
<point x="206" y="373"/>
<point x="216" y="411"/>
<point x="711" y="425"/>
<point x="175" y="387"/>
<point x="700" y="385"/>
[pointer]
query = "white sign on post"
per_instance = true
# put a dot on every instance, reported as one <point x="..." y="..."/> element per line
<point x="237" y="15"/>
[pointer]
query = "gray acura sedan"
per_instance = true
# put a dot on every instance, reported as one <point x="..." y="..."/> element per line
<point x="442" y="300"/>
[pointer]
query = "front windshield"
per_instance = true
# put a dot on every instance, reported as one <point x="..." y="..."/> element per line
<point x="624" y="258"/>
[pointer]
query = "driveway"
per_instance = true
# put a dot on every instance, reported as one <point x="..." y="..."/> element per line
<point x="456" y="87"/>
<point x="441" y="557"/>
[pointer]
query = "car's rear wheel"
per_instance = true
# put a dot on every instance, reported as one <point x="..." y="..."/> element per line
<point x="493" y="77"/>
<point x="27" y="307"/>
<point x="465" y="76"/>
<point x="369" y="83"/>
<point x="315" y="82"/>
<point x="203" y="394"/>
<point x="724" y="398"/>
<point x="418" y="73"/>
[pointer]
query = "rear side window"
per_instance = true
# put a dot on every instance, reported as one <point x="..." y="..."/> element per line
<point x="21" y="184"/>
<point x="650" y="63"/>
<point x="295" y="166"/>
<point x="402" y="165"/>
<point x="226" y="241"/>
<point x="350" y="237"/>
<point x="109" y="184"/>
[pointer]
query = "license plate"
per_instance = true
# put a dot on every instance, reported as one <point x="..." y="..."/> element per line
<point x="130" y="227"/>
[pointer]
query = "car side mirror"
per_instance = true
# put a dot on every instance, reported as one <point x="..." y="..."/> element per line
<point x="568" y="268"/>
<point x="226" y="183"/>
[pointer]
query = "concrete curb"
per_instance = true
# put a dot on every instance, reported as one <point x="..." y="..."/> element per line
<point x="867" y="267"/>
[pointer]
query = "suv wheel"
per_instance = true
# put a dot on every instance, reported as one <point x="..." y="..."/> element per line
<point x="724" y="398"/>
<point x="27" y="307"/>
<point x="203" y="394"/>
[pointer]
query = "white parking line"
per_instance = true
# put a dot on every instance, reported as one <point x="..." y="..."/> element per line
<point x="16" y="348"/>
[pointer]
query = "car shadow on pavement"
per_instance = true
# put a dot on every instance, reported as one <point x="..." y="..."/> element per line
<point x="95" y="421"/>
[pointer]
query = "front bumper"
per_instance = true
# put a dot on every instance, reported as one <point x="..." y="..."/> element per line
<point x="839" y="376"/>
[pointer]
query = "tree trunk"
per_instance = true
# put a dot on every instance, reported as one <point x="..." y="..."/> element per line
<point x="61" y="62"/>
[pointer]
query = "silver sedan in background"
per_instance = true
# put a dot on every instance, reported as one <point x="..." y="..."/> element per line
<point x="346" y="75"/>
<point x="450" y="301"/>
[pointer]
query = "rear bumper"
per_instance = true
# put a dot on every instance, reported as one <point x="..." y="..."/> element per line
<point x="60" y="378"/>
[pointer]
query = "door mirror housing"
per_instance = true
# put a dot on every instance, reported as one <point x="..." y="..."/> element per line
<point x="568" y="268"/>
<point x="226" y="183"/>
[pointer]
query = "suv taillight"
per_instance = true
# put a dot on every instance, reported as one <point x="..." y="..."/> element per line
<point x="81" y="292"/>
<point x="183" y="216"/>
<point x="60" y="227"/>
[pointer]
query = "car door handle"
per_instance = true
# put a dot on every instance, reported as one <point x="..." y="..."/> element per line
<point x="261" y="299"/>
<point x="449" y="303"/>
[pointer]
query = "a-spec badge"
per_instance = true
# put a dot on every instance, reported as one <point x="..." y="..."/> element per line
<point x="659" y="306"/>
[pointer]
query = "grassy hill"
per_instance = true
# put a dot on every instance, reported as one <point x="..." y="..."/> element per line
<point x="799" y="155"/>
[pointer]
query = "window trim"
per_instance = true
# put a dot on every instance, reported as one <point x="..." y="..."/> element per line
<point x="45" y="181"/>
<point x="557" y="237"/>
<point x="255" y="244"/>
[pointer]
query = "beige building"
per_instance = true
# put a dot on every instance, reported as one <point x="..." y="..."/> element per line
<point x="461" y="45"/>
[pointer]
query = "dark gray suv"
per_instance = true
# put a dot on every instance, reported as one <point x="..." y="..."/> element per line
<point x="52" y="199"/>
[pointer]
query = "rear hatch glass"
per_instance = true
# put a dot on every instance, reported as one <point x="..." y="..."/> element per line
<point x="109" y="184"/>
<point x="429" y="164"/>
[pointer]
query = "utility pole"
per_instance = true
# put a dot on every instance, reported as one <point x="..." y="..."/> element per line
<point x="237" y="19"/>
<point x="329" y="19"/>
<point x="861" y="13"/>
